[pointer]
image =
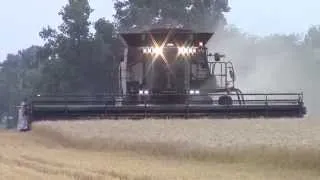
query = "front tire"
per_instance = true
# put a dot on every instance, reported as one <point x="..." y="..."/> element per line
<point x="225" y="101"/>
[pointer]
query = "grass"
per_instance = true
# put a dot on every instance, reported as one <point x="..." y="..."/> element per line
<point x="163" y="149"/>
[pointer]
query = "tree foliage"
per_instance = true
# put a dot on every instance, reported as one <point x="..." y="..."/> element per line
<point x="204" y="15"/>
<point x="73" y="55"/>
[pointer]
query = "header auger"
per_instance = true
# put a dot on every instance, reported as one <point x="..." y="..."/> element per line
<point x="170" y="73"/>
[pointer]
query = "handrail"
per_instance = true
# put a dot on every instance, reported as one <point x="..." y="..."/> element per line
<point x="259" y="99"/>
<point x="120" y="95"/>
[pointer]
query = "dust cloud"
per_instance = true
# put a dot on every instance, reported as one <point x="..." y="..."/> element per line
<point x="271" y="64"/>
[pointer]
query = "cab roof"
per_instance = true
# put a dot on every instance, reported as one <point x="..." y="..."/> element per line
<point x="170" y="35"/>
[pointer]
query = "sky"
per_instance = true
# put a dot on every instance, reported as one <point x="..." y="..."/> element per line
<point x="21" y="21"/>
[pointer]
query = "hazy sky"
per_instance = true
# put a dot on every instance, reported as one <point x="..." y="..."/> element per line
<point x="22" y="20"/>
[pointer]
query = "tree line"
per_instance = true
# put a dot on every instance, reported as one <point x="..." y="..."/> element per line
<point x="74" y="59"/>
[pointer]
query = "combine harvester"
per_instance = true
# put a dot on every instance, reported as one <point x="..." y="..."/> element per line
<point x="170" y="73"/>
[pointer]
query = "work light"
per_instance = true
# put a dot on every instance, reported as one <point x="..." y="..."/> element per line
<point x="144" y="92"/>
<point x="194" y="92"/>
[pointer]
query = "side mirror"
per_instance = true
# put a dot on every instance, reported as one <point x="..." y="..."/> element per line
<point x="217" y="56"/>
<point x="232" y="75"/>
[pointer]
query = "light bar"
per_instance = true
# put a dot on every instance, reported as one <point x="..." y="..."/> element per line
<point x="186" y="51"/>
<point x="170" y="45"/>
<point x="182" y="51"/>
<point x="152" y="50"/>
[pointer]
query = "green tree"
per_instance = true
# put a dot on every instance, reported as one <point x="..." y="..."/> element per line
<point x="75" y="17"/>
<point x="19" y="76"/>
<point x="312" y="38"/>
<point x="204" y="15"/>
<point x="75" y="60"/>
<point x="67" y="53"/>
<point x="107" y="54"/>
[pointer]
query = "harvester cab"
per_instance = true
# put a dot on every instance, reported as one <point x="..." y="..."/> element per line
<point x="174" y="66"/>
<point x="170" y="72"/>
<point x="164" y="60"/>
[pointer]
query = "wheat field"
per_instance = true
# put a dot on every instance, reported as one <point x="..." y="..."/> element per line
<point x="164" y="149"/>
